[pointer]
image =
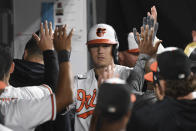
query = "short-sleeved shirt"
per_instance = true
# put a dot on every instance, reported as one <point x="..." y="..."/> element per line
<point x="86" y="90"/>
<point x="4" y="128"/>
<point x="25" y="108"/>
<point x="27" y="92"/>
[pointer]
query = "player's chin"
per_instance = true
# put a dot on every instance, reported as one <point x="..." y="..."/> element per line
<point x="101" y="65"/>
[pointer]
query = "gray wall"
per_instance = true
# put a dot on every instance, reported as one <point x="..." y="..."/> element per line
<point x="27" y="14"/>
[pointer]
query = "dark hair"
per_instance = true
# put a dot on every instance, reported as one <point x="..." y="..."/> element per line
<point x="110" y="109"/>
<point x="115" y="53"/>
<point x="6" y="58"/>
<point x="179" y="88"/>
<point x="99" y="120"/>
<point x="32" y="47"/>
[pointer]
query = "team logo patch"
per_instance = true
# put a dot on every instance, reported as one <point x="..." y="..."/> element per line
<point x="87" y="102"/>
<point x="100" y="32"/>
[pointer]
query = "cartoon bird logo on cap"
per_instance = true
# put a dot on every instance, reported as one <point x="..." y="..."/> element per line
<point x="100" y="32"/>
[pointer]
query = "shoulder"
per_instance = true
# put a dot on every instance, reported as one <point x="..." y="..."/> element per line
<point x="34" y="91"/>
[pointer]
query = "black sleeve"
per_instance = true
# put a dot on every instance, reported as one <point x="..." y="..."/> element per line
<point x="51" y="69"/>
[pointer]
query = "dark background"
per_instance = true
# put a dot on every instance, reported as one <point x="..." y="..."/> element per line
<point x="176" y="19"/>
<point x="6" y="22"/>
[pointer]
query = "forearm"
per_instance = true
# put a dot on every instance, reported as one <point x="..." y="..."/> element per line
<point x="51" y="69"/>
<point x="64" y="86"/>
<point x="141" y="62"/>
<point x="136" y="78"/>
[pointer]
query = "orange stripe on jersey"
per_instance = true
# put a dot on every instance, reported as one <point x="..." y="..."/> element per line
<point x="48" y="88"/>
<point x="86" y="114"/>
<point x="7" y="99"/>
<point x="52" y="99"/>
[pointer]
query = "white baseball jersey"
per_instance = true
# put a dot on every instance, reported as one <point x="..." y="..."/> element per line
<point x="27" y="92"/>
<point x="3" y="128"/>
<point x="27" y="107"/>
<point x="86" y="89"/>
<point x="85" y="96"/>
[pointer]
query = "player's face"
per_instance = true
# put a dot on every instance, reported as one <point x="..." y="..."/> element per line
<point x="129" y="59"/>
<point x="101" y="55"/>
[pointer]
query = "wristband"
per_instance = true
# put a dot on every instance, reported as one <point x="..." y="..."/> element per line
<point x="63" y="56"/>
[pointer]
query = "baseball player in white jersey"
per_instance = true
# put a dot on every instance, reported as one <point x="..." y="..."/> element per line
<point x="3" y="128"/>
<point x="25" y="108"/>
<point x="102" y="45"/>
<point x="128" y="55"/>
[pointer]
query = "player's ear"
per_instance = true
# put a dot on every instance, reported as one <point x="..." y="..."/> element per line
<point x="120" y="56"/>
<point x="12" y="68"/>
<point x="194" y="35"/>
<point x="25" y="54"/>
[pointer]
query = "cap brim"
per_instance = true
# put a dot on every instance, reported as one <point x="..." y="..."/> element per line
<point x="133" y="51"/>
<point x="101" y="41"/>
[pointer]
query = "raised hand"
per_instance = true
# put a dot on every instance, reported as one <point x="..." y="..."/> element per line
<point x="45" y="41"/>
<point x="151" y="21"/>
<point x="107" y="74"/>
<point x="62" y="41"/>
<point x="145" y="41"/>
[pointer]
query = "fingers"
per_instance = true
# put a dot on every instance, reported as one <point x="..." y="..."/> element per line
<point x="62" y="32"/>
<point x="36" y="37"/>
<point x="135" y="35"/>
<point x="50" y="29"/>
<point x="42" y="29"/>
<point x="154" y="13"/>
<point x="65" y="31"/>
<point x="148" y="20"/>
<point x="144" y="22"/>
<point x="151" y="34"/>
<point x="108" y="72"/>
<point x="46" y="27"/>
<point x="47" y="31"/>
<point x="142" y="32"/>
<point x="138" y="37"/>
<point x="148" y="14"/>
<point x="153" y="10"/>
<point x="56" y="32"/>
<point x="70" y="34"/>
<point x="156" y="26"/>
<point x="146" y="33"/>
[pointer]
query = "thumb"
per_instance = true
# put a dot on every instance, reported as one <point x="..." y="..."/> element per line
<point x="70" y="34"/>
<point x="157" y="44"/>
<point x="36" y="37"/>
